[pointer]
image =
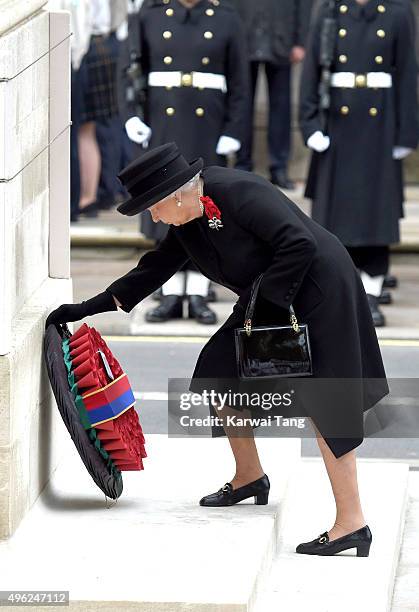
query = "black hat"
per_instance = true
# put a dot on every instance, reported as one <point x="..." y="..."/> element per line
<point x="155" y="175"/>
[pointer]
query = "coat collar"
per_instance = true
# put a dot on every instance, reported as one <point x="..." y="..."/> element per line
<point x="183" y="14"/>
<point x="368" y="11"/>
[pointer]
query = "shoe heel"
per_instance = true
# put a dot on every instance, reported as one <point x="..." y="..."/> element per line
<point x="363" y="550"/>
<point x="261" y="498"/>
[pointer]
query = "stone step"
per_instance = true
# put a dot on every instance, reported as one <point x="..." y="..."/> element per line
<point x="156" y="549"/>
<point x="341" y="582"/>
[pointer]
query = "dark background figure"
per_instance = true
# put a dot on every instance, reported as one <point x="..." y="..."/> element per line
<point x="355" y="178"/>
<point x="276" y="35"/>
<point x="192" y="54"/>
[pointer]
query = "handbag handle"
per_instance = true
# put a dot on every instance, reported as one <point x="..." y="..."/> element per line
<point x="251" y="307"/>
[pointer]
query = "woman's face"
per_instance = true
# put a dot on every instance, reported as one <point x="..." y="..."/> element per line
<point x="167" y="211"/>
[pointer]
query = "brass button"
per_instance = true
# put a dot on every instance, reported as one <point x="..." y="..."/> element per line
<point x="209" y="12"/>
<point x="199" y="111"/>
<point x="167" y="34"/>
<point x="186" y="79"/>
<point x="378" y="59"/>
<point x="381" y="8"/>
<point x="343" y="8"/>
<point x="170" y="12"/>
<point x="343" y="59"/>
<point x="205" y="60"/>
<point x="170" y="111"/>
<point x="344" y="110"/>
<point x="360" y="80"/>
<point x="166" y="1"/>
<point x="342" y="32"/>
<point x="215" y="2"/>
<point x="381" y="33"/>
<point x="373" y="111"/>
<point x="168" y="59"/>
<point x="208" y="35"/>
<point x="169" y="87"/>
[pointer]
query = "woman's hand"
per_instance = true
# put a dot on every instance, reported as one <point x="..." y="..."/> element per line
<point x="64" y="314"/>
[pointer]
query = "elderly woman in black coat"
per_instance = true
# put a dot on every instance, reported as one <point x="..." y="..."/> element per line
<point x="234" y="226"/>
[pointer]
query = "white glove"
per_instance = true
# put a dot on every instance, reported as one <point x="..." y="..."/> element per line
<point x="138" y="131"/>
<point x="401" y="152"/>
<point x="318" y="142"/>
<point x="227" y="145"/>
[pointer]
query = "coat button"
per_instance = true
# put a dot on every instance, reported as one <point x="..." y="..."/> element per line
<point x="199" y="112"/>
<point x="343" y="59"/>
<point x="166" y="1"/>
<point x="381" y="8"/>
<point x="343" y="8"/>
<point x="167" y="34"/>
<point x="360" y="80"/>
<point x="208" y="35"/>
<point x="344" y="110"/>
<point x="170" y="111"/>
<point x="378" y="59"/>
<point x="168" y="59"/>
<point x="205" y="61"/>
<point x="373" y="111"/>
<point x="342" y="32"/>
<point x="381" y="33"/>
<point x="170" y="12"/>
<point x="209" y="12"/>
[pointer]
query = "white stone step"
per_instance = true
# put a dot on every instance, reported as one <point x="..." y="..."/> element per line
<point x="342" y="582"/>
<point x="156" y="549"/>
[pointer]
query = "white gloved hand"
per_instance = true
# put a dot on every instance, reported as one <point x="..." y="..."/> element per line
<point x="318" y="142"/>
<point x="138" y="131"/>
<point x="401" y="152"/>
<point x="227" y="145"/>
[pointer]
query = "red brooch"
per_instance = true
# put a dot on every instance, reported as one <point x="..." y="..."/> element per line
<point x="212" y="211"/>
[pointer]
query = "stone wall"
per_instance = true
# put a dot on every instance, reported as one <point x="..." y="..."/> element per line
<point x="34" y="243"/>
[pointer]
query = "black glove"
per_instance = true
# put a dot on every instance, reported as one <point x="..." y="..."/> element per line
<point x="103" y="302"/>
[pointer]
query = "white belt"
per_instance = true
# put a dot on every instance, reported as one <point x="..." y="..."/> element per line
<point x="176" y="78"/>
<point x="369" y="79"/>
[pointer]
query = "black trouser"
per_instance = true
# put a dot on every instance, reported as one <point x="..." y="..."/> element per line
<point x="279" y="122"/>
<point x="374" y="260"/>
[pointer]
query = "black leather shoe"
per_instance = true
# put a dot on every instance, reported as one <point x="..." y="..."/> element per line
<point x="211" y="296"/>
<point x="390" y="281"/>
<point x="227" y="496"/>
<point x="385" y="297"/>
<point x="360" y="539"/>
<point x="377" y="316"/>
<point x="91" y="210"/>
<point x="170" y="307"/>
<point x="281" y="179"/>
<point x="198" y="309"/>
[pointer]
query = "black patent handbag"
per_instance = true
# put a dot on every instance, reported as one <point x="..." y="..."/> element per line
<point x="271" y="351"/>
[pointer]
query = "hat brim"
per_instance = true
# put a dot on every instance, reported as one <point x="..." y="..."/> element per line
<point x="133" y="206"/>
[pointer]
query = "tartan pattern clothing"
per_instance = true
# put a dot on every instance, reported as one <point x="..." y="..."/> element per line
<point x="99" y="81"/>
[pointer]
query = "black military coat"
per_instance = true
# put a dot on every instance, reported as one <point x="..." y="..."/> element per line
<point x="303" y="264"/>
<point x="206" y="38"/>
<point x="355" y="185"/>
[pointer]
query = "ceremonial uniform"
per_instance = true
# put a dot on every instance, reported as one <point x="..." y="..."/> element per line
<point x="195" y="63"/>
<point x="356" y="183"/>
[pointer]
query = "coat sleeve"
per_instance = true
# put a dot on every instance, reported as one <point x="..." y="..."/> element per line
<point x="151" y="272"/>
<point x="237" y="70"/>
<point x="405" y="75"/>
<point x="303" y="9"/>
<point x="269" y="215"/>
<point x="309" y="118"/>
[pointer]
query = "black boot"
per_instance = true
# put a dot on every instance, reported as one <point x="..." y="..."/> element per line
<point x="157" y="295"/>
<point x="227" y="496"/>
<point x="212" y="296"/>
<point x="198" y="309"/>
<point x="385" y="297"/>
<point x="280" y="178"/>
<point x="170" y="307"/>
<point x="360" y="539"/>
<point x="377" y="316"/>
<point x="390" y="281"/>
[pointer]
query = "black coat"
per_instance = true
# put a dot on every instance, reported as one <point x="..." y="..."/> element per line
<point x="304" y="265"/>
<point x="355" y="185"/>
<point x="224" y="53"/>
<point x="274" y="26"/>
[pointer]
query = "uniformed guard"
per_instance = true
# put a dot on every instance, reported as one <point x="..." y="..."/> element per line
<point x="358" y="112"/>
<point x="193" y="57"/>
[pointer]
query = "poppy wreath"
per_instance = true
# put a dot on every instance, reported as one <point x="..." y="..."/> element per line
<point x="104" y="399"/>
